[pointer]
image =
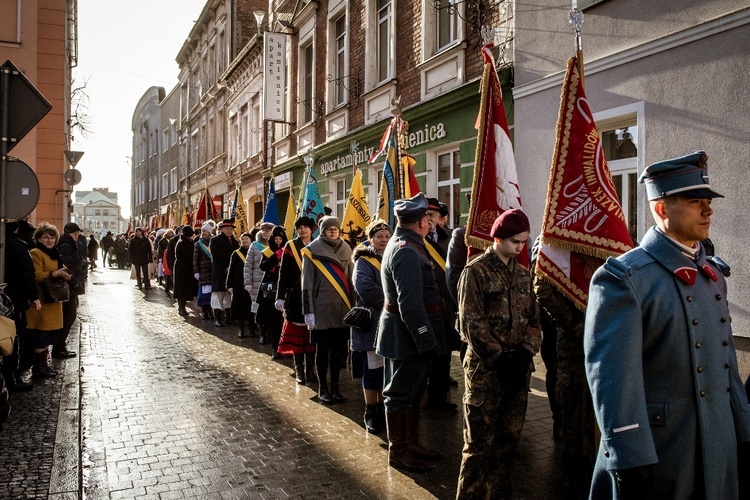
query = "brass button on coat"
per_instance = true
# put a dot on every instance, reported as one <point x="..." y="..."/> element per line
<point x="695" y="321"/>
<point x="697" y="345"/>
<point x="703" y="393"/>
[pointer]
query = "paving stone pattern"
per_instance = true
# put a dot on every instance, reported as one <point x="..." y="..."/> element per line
<point x="178" y="408"/>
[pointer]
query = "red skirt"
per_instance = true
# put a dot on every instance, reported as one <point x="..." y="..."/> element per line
<point x="295" y="339"/>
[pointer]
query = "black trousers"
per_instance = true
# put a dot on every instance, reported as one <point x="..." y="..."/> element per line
<point x="331" y="348"/>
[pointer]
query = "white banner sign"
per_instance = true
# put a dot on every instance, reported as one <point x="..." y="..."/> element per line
<point x="274" y="76"/>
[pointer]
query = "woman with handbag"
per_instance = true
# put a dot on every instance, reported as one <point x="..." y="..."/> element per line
<point x="295" y="337"/>
<point x="240" y="306"/>
<point x="326" y="298"/>
<point x="366" y="364"/>
<point x="268" y="316"/>
<point x="45" y="323"/>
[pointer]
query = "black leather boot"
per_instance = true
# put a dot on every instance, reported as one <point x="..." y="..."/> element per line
<point x="336" y="393"/>
<point x="217" y="318"/>
<point x="41" y="365"/>
<point x="399" y="455"/>
<point x="241" y="331"/>
<point x="324" y="396"/>
<point x="228" y="317"/>
<point x="206" y="312"/>
<point x="310" y="373"/>
<point x="371" y="419"/>
<point x="299" y="368"/>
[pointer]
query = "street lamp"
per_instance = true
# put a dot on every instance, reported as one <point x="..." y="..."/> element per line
<point x="259" y="15"/>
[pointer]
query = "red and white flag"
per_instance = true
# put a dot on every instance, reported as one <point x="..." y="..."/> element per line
<point x="495" y="185"/>
<point x="583" y="219"/>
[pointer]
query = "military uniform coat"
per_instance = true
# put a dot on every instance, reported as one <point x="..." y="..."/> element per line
<point x="662" y="367"/>
<point x="409" y="283"/>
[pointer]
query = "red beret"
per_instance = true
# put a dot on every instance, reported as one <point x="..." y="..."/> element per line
<point x="509" y="223"/>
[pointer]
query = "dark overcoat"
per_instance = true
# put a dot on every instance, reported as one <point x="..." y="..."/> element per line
<point x="185" y="284"/>
<point x="410" y="284"/>
<point x="661" y="364"/>
<point x="240" y="308"/>
<point x="369" y="293"/>
<point x="290" y="281"/>
<point x="202" y="261"/>
<point x="221" y="248"/>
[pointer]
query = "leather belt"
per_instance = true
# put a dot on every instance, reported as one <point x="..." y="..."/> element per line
<point x="434" y="308"/>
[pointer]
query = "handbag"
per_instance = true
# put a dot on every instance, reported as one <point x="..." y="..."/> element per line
<point x="7" y="335"/>
<point x="56" y="290"/>
<point x="359" y="317"/>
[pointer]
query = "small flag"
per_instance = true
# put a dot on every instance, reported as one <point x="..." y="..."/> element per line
<point x="238" y="214"/>
<point x="356" y="215"/>
<point x="583" y="219"/>
<point x="384" y="203"/>
<point x="312" y="206"/>
<point x="411" y="186"/>
<point x="291" y="215"/>
<point x="272" y="212"/>
<point x="204" y="210"/>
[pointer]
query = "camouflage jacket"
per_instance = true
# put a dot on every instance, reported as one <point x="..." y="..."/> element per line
<point x="497" y="307"/>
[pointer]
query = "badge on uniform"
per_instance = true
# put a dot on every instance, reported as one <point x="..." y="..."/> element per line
<point x="402" y="243"/>
<point x="709" y="272"/>
<point x="687" y="274"/>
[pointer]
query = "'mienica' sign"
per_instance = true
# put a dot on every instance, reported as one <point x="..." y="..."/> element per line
<point x="416" y="138"/>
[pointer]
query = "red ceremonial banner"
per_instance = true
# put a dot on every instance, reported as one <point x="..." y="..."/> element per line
<point x="495" y="186"/>
<point x="583" y="220"/>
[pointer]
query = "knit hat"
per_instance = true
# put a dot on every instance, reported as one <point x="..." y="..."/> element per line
<point x="509" y="223"/>
<point x="305" y="221"/>
<point x="329" y="221"/>
<point x="187" y="231"/>
<point x="159" y="232"/>
<point x="209" y="226"/>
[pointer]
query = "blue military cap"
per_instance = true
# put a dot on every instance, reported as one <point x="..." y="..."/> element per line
<point x="685" y="176"/>
<point x="411" y="209"/>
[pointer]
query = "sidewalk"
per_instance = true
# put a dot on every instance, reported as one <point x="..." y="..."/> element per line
<point x="168" y="408"/>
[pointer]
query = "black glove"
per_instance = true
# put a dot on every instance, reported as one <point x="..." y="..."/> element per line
<point x="634" y="484"/>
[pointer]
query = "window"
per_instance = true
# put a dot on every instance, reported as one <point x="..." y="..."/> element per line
<point x="449" y="184"/>
<point x="165" y="140"/>
<point x="10" y="28"/>
<point x="620" y="147"/>
<point x="446" y="25"/>
<point x="339" y="65"/>
<point x="341" y="198"/>
<point x="306" y="92"/>
<point x="173" y="180"/>
<point x="164" y="184"/>
<point x="105" y="212"/>
<point x="257" y="127"/>
<point x="97" y="213"/>
<point x="384" y="29"/>
<point x="89" y="211"/>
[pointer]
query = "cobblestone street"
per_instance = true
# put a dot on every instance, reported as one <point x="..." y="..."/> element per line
<point x="157" y="406"/>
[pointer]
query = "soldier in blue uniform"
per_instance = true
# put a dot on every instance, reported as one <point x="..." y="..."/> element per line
<point x="660" y="357"/>
<point x="410" y="332"/>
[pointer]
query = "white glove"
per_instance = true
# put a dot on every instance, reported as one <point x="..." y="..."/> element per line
<point x="279" y="305"/>
<point x="310" y="321"/>
<point x="253" y="307"/>
<point x="197" y="276"/>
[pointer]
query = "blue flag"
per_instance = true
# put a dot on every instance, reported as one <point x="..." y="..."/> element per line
<point x="272" y="213"/>
<point x="312" y="206"/>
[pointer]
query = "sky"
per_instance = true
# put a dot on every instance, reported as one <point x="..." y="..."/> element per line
<point x="123" y="50"/>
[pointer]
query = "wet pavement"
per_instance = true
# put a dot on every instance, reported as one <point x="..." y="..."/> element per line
<point x="157" y="406"/>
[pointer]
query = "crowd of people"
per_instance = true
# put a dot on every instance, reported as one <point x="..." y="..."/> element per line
<point x="651" y="361"/>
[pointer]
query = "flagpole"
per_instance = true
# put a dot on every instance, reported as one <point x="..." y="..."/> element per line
<point x="398" y="178"/>
<point x="575" y="17"/>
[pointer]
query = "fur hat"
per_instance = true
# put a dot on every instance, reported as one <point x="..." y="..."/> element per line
<point x="305" y="221"/>
<point x="329" y="221"/>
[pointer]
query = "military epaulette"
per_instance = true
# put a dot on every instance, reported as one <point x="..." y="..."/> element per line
<point x="616" y="268"/>
<point x="722" y="266"/>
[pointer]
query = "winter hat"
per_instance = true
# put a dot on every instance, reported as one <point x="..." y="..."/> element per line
<point x="329" y="221"/>
<point x="510" y="222"/>
<point x="267" y="225"/>
<point x="209" y="226"/>
<point x="159" y="232"/>
<point x="376" y="226"/>
<point x="187" y="231"/>
<point x="305" y="221"/>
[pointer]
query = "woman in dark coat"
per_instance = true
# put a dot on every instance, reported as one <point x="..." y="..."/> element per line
<point x="185" y="284"/>
<point x="202" y="268"/>
<point x="366" y="364"/>
<point x="295" y="337"/>
<point x="268" y="316"/>
<point x="240" y="308"/>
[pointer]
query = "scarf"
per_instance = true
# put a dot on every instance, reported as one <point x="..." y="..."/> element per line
<point x="53" y="253"/>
